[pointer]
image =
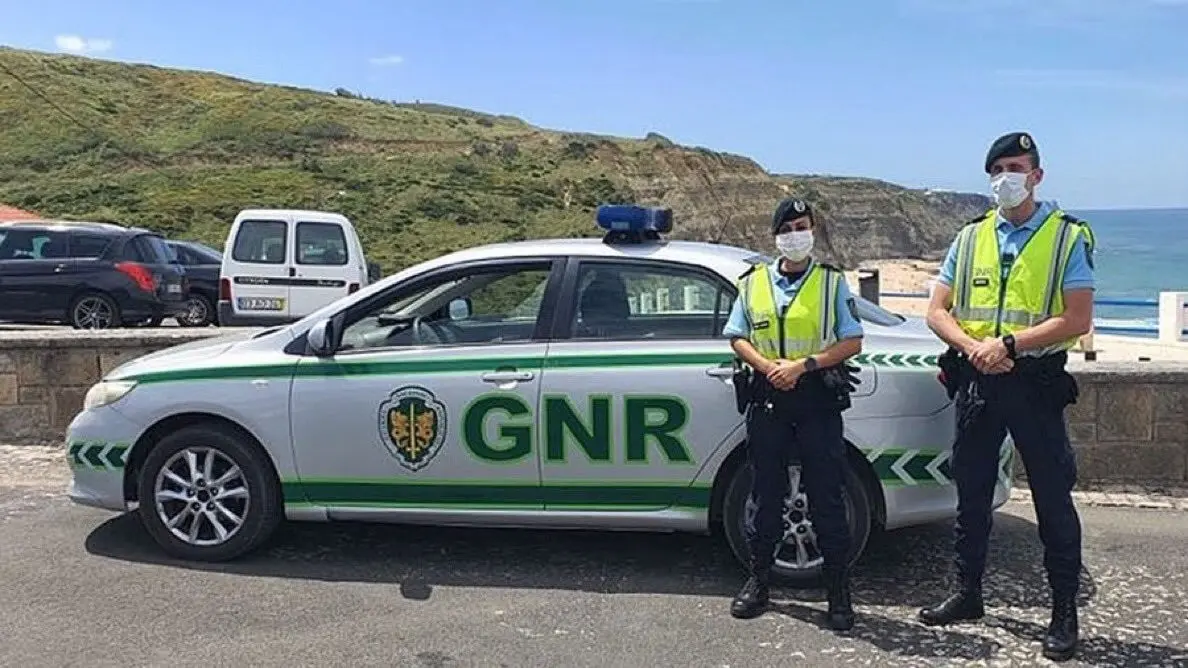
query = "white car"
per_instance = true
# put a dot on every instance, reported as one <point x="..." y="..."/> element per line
<point x="552" y="384"/>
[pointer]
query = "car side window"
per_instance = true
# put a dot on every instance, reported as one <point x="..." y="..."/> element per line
<point x="87" y="246"/>
<point x="261" y="242"/>
<point x="321" y="244"/>
<point x="33" y="245"/>
<point x="625" y="301"/>
<point x="483" y="306"/>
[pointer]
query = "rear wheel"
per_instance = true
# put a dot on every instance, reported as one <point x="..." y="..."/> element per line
<point x="199" y="312"/>
<point x="94" y="310"/>
<point x="799" y="561"/>
<point x="207" y="494"/>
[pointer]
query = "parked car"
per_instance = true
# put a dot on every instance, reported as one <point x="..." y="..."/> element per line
<point x="280" y="265"/>
<point x="202" y="264"/>
<point x="88" y="275"/>
<point x="568" y="383"/>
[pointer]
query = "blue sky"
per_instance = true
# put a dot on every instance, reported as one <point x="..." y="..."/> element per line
<point x="912" y="91"/>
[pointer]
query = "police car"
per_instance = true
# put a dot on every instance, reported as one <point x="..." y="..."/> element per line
<point x="577" y="383"/>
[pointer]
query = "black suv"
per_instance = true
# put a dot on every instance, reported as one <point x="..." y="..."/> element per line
<point x="89" y="275"/>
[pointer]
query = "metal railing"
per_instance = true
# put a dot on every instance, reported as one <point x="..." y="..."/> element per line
<point x="1098" y="326"/>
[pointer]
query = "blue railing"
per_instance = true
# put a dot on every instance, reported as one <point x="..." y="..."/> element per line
<point x="1099" y="326"/>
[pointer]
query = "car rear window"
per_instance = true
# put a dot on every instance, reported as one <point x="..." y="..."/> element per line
<point x="84" y="245"/>
<point x="261" y="242"/>
<point x="321" y="244"/>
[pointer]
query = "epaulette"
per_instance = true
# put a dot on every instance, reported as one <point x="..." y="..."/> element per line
<point x="831" y="267"/>
<point x="748" y="271"/>
<point x="979" y="218"/>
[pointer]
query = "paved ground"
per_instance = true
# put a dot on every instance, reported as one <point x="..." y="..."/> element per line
<point x="84" y="587"/>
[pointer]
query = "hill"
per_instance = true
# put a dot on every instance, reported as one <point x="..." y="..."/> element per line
<point x="183" y="151"/>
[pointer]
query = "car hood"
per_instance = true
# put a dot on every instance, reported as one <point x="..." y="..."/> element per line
<point x="185" y="355"/>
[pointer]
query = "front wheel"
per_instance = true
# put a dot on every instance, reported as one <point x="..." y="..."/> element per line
<point x="799" y="562"/>
<point x="208" y="495"/>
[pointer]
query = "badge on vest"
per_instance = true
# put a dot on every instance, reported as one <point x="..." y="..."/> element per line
<point x="982" y="282"/>
<point x="763" y="324"/>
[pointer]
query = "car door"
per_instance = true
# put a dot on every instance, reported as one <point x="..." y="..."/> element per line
<point x="321" y="266"/>
<point x="429" y="404"/>
<point x="36" y="279"/>
<point x="257" y="268"/>
<point x="636" y="394"/>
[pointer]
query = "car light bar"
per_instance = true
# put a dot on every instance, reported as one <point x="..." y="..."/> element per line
<point x="634" y="218"/>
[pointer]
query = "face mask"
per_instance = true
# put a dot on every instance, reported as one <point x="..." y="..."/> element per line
<point x="795" y="245"/>
<point x="1010" y="189"/>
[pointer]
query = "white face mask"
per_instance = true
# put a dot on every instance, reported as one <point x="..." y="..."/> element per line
<point x="1010" y="189"/>
<point x="795" y="245"/>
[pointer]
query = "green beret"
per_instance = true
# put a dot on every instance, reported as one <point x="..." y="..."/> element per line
<point x="1010" y="146"/>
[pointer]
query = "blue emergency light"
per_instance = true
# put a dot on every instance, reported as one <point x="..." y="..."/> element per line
<point x="633" y="223"/>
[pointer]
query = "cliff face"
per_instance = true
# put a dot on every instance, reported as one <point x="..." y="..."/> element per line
<point x="181" y="152"/>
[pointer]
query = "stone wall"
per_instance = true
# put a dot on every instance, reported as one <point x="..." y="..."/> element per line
<point x="44" y="374"/>
<point x="1130" y="425"/>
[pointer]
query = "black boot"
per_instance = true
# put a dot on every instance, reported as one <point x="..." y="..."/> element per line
<point x="1061" y="641"/>
<point x="841" y="611"/>
<point x="752" y="600"/>
<point x="965" y="605"/>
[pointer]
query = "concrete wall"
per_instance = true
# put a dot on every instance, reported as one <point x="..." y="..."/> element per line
<point x="44" y="374"/>
<point x="1130" y="424"/>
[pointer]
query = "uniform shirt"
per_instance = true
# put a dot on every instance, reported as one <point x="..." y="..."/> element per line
<point x="1078" y="273"/>
<point x="846" y="325"/>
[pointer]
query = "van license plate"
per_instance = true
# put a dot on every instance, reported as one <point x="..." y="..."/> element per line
<point x="174" y="288"/>
<point x="261" y="304"/>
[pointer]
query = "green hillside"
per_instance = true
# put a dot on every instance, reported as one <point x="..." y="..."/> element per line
<point x="182" y="152"/>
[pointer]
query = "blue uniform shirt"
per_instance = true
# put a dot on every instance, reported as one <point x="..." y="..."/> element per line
<point x="846" y="326"/>
<point x="1077" y="274"/>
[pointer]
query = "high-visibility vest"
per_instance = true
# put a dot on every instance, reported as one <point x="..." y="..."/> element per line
<point x="807" y="324"/>
<point x="985" y="305"/>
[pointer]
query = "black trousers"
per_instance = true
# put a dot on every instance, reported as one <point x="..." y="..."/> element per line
<point x="814" y="436"/>
<point x="1018" y="405"/>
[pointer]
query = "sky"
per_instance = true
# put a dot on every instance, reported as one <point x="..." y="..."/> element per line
<point x="910" y="91"/>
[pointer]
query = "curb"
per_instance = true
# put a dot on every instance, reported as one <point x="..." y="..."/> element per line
<point x="1178" y="501"/>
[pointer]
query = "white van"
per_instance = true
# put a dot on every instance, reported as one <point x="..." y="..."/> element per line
<point x="280" y="265"/>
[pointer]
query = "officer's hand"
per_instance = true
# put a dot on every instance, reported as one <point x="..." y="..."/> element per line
<point x="988" y="353"/>
<point x="785" y="373"/>
<point x="1003" y="366"/>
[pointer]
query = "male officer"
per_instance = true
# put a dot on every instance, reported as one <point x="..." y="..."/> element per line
<point x="1014" y="294"/>
<point x="794" y="324"/>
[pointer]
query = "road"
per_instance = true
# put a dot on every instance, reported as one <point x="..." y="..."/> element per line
<point x="85" y="587"/>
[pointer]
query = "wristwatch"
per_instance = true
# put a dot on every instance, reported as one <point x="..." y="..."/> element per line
<point x="1009" y="342"/>
<point x="810" y="363"/>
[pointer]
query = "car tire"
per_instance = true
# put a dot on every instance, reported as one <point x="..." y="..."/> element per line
<point x="91" y="308"/>
<point x="858" y="515"/>
<point x="252" y="497"/>
<point x="204" y="307"/>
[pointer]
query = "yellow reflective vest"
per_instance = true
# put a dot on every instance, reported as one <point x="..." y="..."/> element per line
<point x="986" y="305"/>
<point x="807" y="323"/>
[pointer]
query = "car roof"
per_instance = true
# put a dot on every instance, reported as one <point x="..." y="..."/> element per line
<point x="729" y="261"/>
<point x="72" y="225"/>
<point x="308" y="214"/>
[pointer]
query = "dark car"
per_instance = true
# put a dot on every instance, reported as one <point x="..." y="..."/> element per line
<point x="202" y="264"/>
<point x="89" y="275"/>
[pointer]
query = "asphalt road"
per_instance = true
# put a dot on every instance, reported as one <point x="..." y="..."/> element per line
<point x="85" y="587"/>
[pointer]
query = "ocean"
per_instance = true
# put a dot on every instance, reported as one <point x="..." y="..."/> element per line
<point x="1140" y="252"/>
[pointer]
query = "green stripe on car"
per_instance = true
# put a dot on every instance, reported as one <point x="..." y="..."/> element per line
<point x="97" y="455"/>
<point x="492" y="495"/>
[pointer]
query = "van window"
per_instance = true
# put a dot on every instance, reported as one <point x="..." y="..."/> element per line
<point x="261" y="241"/>
<point x="321" y="243"/>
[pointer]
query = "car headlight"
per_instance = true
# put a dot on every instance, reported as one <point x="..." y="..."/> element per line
<point x="106" y="392"/>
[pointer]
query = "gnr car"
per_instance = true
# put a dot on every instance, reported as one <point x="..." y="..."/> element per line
<point x="579" y="383"/>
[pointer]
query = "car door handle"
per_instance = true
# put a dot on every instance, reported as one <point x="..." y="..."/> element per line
<point x="720" y="371"/>
<point x="507" y="376"/>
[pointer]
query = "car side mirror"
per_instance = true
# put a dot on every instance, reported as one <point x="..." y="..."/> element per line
<point x="374" y="272"/>
<point x="459" y="309"/>
<point x="322" y="338"/>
